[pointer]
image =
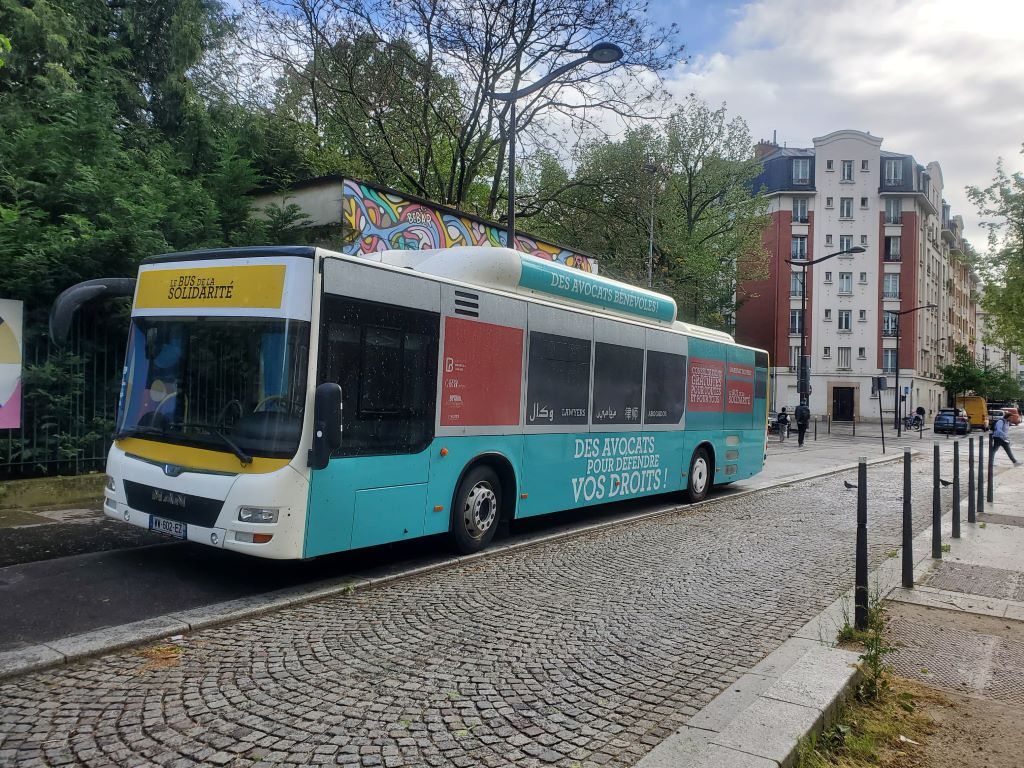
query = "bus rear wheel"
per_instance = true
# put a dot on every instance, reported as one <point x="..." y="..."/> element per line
<point x="477" y="510"/>
<point x="699" y="480"/>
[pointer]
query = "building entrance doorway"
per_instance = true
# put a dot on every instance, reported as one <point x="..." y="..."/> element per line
<point x="842" y="403"/>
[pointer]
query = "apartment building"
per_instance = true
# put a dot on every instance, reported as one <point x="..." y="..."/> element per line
<point x="863" y="309"/>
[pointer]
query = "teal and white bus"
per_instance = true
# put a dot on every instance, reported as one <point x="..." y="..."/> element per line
<point x="289" y="402"/>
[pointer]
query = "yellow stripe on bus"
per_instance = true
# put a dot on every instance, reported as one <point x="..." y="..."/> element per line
<point x="250" y="286"/>
<point x="197" y="458"/>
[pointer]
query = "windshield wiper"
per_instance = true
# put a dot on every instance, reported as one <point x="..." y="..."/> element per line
<point x="139" y="429"/>
<point x="244" y="458"/>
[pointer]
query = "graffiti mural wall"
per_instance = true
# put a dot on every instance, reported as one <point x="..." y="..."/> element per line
<point x="10" y="363"/>
<point x="381" y="220"/>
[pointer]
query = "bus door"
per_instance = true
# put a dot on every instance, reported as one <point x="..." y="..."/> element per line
<point x="384" y="356"/>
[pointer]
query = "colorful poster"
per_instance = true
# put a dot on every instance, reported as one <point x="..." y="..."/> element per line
<point x="740" y="391"/>
<point x="382" y="220"/>
<point x="483" y="372"/>
<point x="707" y="385"/>
<point x="10" y="363"/>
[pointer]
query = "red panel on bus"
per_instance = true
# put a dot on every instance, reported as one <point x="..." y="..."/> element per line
<point x="482" y="378"/>
<point x="707" y="385"/>
<point x="740" y="398"/>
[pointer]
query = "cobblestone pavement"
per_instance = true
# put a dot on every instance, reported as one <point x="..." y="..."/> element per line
<point x="579" y="652"/>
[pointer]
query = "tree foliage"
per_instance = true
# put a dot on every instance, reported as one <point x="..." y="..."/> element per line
<point x="1001" y="205"/>
<point x="964" y="375"/>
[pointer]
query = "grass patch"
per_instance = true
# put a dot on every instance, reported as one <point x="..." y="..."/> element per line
<point x="947" y="547"/>
<point x="160" y="656"/>
<point x="872" y="734"/>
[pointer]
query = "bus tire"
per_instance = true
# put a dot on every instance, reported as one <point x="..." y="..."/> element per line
<point x="698" y="481"/>
<point x="476" y="512"/>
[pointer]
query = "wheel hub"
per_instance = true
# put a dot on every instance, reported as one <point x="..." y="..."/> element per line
<point x="699" y="476"/>
<point x="481" y="510"/>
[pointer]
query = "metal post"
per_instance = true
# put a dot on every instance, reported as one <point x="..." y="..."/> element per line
<point x="512" y="175"/>
<point x="981" y="475"/>
<point x="803" y="371"/>
<point x="936" y="506"/>
<point x="956" y="489"/>
<point x="860" y="610"/>
<point x="971" y="517"/>
<point x="908" y="525"/>
<point x="815" y="428"/>
<point x="899" y="423"/>
<point x="881" y="420"/>
<point x="828" y="417"/>
<point x="855" y="426"/>
<point x="991" y="461"/>
<point x="650" y="242"/>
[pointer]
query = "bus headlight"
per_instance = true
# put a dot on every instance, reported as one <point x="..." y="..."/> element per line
<point x="258" y="514"/>
<point x="111" y="483"/>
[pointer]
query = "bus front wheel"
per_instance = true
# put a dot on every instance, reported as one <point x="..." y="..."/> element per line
<point x="477" y="510"/>
<point x="699" y="480"/>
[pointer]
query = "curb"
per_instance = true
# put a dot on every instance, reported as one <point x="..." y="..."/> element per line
<point x="97" y="642"/>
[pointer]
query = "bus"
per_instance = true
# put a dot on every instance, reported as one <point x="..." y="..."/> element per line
<point x="290" y="402"/>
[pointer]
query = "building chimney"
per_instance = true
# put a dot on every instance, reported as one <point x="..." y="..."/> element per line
<point x="763" y="148"/>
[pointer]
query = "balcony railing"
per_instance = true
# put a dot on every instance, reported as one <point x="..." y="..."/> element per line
<point x="800" y="219"/>
<point x="891" y="295"/>
<point x="892" y="257"/>
<point x="888" y="369"/>
<point x="890" y="333"/>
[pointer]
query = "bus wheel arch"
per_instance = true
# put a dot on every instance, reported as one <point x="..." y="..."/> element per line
<point x="702" y="465"/>
<point x="475" y="490"/>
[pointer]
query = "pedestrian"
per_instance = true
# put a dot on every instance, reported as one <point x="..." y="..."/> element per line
<point x="1000" y="439"/>
<point x="783" y="422"/>
<point x="803" y="418"/>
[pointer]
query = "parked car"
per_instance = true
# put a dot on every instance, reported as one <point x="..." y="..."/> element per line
<point x="994" y="415"/>
<point x="1012" y="414"/>
<point x="951" y="420"/>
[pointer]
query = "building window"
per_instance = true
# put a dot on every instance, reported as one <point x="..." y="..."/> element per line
<point x="844" y="359"/>
<point x="862" y="315"/>
<point x="796" y="282"/>
<point x="828" y="202"/>
<point x="845" y="317"/>
<point x="845" y="242"/>
<point x="827" y="352"/>
<point x="863" y="239"/>
<point x="828" y="239"/>
<point x="847" y="170"/>
<point x="794" y="356"/>
<point x="863" y="277"/>
<point x="892" y="248"/>
<point x="891" y="286"/>
<point x="893" y="210"/>
<point x="798" y="248"/>
<point x="893" y="172"/>
<point x="889" y="360"/>
<point x="800" y="210"/>
<point x="795" y="320"/>
<point x="828" y="277"/>
<point x="864" y="165"/>
<point x="802" y="170"/>
<point x="828" y="315"/>
<point x="890" y="324"/>
<point x="863" y="202"/>
<point x="846" y="282"/>
<point x="845" y="207"/>
<point x="861" y="353"/>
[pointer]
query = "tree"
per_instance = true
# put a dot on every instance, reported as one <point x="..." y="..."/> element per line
<point x="1001" y="204"/>
<point x="697" y="175"/>
<point x="405" y="87"/>
<point x="963" y="374"/>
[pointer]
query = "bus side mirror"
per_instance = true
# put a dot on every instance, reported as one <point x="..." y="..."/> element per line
<point x="326" y="424"/>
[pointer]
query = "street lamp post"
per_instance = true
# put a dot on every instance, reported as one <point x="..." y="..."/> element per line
<point x="803" y="369"/>
<point x="652" y="169"/>
<point x="602" y="53"/>
<point x="899" y="395"/>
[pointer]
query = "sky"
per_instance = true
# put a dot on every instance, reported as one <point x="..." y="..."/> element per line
<point x="938" y="79"/>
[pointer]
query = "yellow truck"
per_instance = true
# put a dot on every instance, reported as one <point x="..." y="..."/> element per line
<point x="976" y="409"/>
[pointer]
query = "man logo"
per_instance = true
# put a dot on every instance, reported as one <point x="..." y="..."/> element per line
<point x="173" y="470"/>
<point x="169" y="497"/>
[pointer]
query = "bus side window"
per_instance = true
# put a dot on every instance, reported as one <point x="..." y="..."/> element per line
<point x="385" y="359"/>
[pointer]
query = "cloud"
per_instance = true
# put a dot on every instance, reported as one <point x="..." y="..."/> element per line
<point x="940" y="80"/>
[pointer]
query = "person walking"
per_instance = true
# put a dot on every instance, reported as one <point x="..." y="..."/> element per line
<point x="1000" y="438"/>
<point x="803" y="418"/>
<point x="783" y="422"/>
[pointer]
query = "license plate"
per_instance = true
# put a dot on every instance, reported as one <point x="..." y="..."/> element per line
<point x="170" y="527"/>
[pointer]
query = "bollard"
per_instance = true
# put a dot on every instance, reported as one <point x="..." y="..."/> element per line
<point x="860" y="599"/>
<point x="981" y="475"/>
<point x="908" y="525"/>
<point x="815" y="428"/>
<point x="956" y="489"/>
<point x="829" y="420"/>
<point x="855" y="427"/>
<point x="936" y="506"/>
<point x="991" y="461"/>
<point x="970" y="480"/>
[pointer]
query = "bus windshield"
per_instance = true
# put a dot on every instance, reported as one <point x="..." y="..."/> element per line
<point x="229" y="384"/>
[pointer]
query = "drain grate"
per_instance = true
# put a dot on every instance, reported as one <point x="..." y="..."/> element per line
<point x="974" y="580"/>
